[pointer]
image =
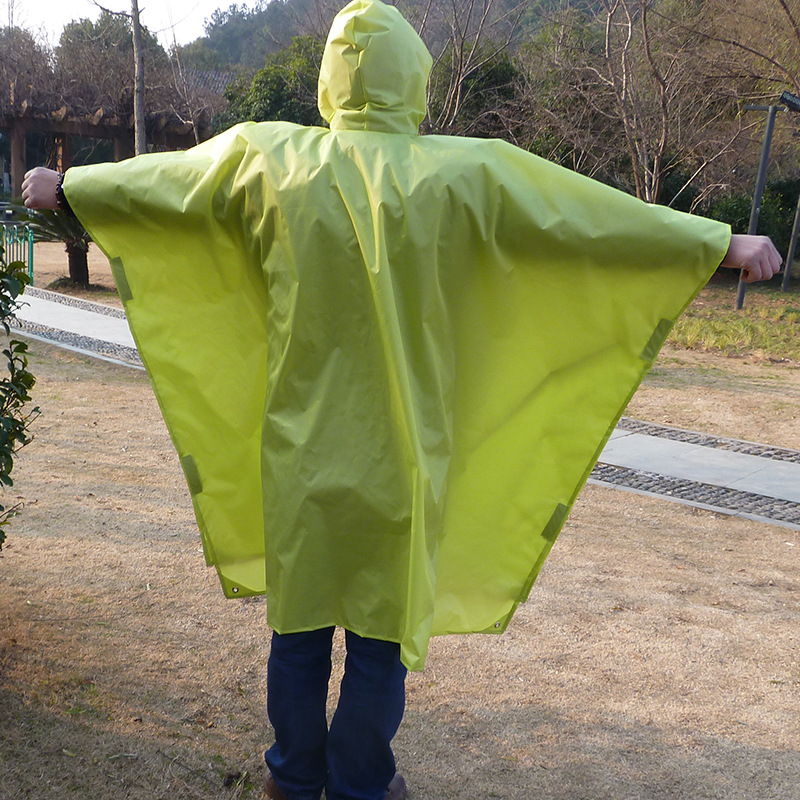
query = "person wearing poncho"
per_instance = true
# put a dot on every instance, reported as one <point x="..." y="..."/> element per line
<point x="388" y="361"/>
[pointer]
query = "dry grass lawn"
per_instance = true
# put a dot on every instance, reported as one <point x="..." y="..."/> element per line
<point x="657" y="656"/>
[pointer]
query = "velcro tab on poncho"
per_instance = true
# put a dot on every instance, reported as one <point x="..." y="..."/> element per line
<point x="192" y="474"/>
<point x="118" y="271"/>
<point x="657" y="340"/>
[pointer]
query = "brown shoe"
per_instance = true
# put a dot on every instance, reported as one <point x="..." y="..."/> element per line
<point x="272" y="789"/>
<point x="397" y="788"/>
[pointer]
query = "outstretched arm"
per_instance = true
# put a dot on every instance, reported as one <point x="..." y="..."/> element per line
<point x="755" y="255"/>
<point x="39" y="188"/>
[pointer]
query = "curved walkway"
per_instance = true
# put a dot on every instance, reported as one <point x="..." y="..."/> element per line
<point x="729" y="476"/>
<point x="90" y="328"/>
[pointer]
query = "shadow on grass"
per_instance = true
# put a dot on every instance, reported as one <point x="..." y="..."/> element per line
<point x="531" y="752"/>
<point x="66" y="285"/>
<point x="518" y="753"/>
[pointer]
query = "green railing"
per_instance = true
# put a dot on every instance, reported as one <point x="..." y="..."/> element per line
<point x="17" y="242"/>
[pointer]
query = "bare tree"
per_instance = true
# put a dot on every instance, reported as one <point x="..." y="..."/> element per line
<point x="314" y="19"/>
<point x="199" y="93"/>
<point x="465" y="37"/>
<point x="649" y="72"/>
<point x="752" y="54"/>
<point x="758" y="44"/>
<point x="562" y="104"/>
<point x="26" y="76"/>
<point x="140" y="134"/>
<point x="629" y="95"/>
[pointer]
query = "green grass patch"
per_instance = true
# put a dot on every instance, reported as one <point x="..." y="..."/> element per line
<point x="767" y="326"/>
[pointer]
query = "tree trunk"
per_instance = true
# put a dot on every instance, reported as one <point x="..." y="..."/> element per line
<point x="78" y="264"/>
<point x="138" y="82"/>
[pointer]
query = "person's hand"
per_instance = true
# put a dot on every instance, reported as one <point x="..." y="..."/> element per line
<point x="756" y="256"/>
<point x="39" y="188"/>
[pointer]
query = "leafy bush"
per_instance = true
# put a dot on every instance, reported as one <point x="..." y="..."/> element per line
<point x="15" y="386"/>
<point x="775" y="219"/>
<point x="286" y="89"/>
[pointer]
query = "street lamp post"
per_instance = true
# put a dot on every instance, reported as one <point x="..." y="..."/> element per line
<point x="787" y="267"/>
<point x="792" y="102"/>
<point x="789" y="102"/>
<point x="761" y="182"/>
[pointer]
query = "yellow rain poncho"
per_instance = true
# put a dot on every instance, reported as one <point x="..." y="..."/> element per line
<point x="388" y="361"/>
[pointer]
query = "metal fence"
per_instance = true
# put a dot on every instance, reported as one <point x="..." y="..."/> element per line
<point x="17" y="241"/>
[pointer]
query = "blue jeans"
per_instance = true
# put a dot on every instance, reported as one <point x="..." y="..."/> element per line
<point x="353" y="760"/>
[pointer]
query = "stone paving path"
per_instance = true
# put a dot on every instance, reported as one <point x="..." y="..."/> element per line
<point x="91" y="328"/>
<point x="730" y="476"/>
<point x="726" y="475"/>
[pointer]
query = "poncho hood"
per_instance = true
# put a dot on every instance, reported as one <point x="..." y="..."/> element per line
<point x="374" y="72"/>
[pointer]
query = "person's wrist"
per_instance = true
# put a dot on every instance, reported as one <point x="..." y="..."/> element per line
<point x="61" y="198"/>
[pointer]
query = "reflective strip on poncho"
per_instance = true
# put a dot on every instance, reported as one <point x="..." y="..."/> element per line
<point x="388" y="361"/>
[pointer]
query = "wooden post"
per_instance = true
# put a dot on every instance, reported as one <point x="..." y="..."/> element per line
<point x="17" y="157"/>
<point x="63" y="152"/>
<point x="123" y="147"/>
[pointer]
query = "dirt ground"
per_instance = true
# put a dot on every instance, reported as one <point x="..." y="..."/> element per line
<point x="656" y="658"/>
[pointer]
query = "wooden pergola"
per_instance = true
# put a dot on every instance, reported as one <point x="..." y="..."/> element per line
<point x="165" y="131"/>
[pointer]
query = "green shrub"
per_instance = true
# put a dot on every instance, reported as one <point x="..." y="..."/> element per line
<point x="775" y="218"/>
<point x="15" y="386"/>
<point x="286" y="89"/>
